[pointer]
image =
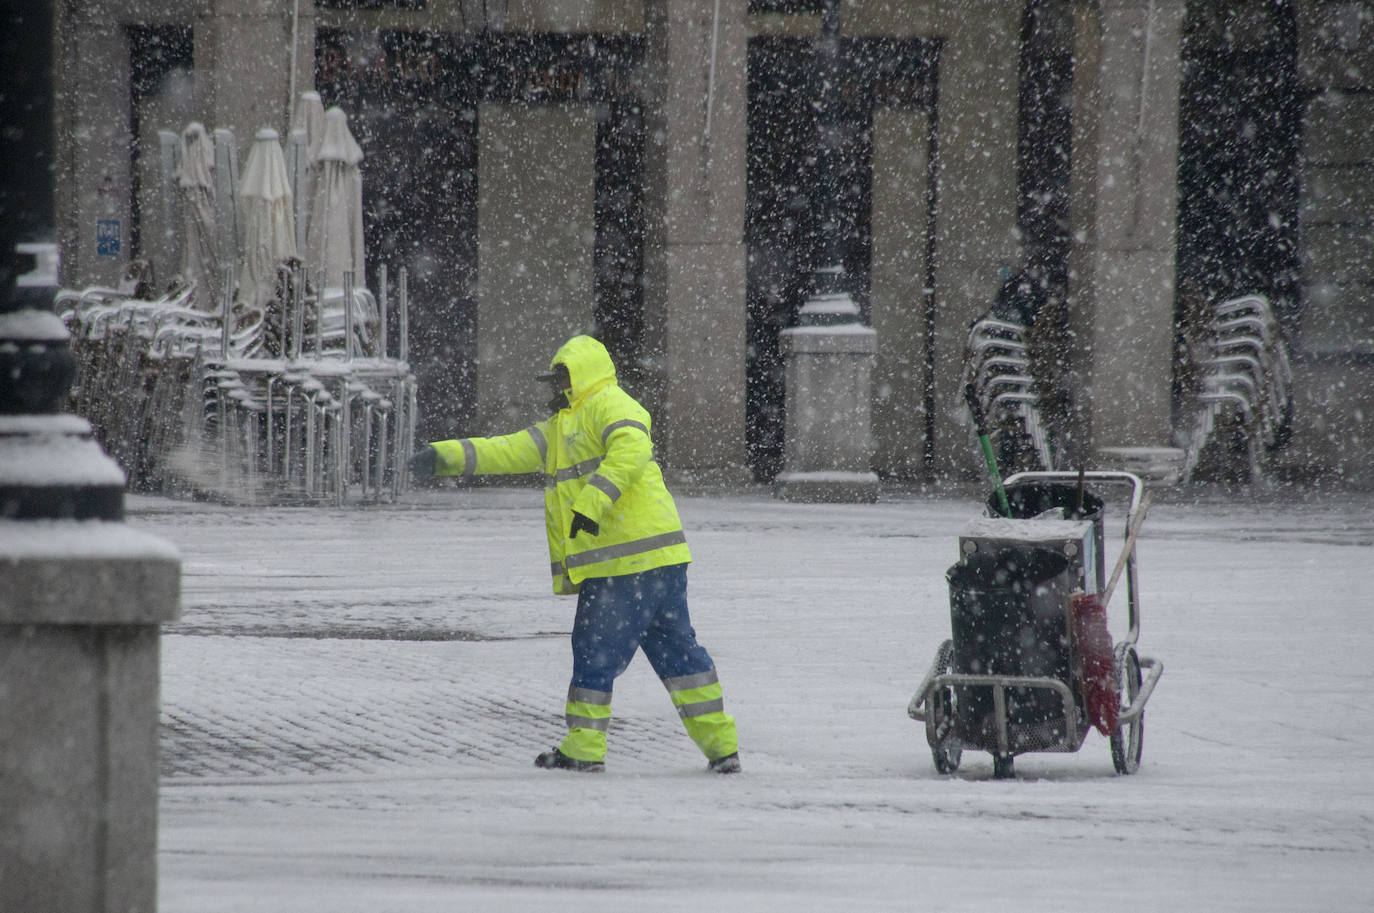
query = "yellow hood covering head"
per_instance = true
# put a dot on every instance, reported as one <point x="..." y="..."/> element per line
<point x="589" y="364"/>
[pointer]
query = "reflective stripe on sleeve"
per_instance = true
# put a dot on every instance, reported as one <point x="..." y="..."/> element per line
<point x="625" y="549"/>
<point x="623" y="423"/>
<point x="539" y="442"/>
<point x="605" y="485"/>
<point x="469" y="457"/>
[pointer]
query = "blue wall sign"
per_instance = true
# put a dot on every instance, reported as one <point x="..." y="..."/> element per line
<point x="107" y="237"/>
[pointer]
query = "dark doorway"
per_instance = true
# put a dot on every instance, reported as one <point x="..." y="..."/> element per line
<point x="413" y="100"/>
<point x="782" y="228"/>
<point x="1240" y="135"/>
<point x="161" y="67"/>
<point x="1044" y="153"/>
<point x="28" y="141"/>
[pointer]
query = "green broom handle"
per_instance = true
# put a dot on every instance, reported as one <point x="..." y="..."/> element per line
<point x="980" y="423"/>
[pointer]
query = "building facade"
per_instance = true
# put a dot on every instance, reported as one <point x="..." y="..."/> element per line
<point x="644" y="169"/>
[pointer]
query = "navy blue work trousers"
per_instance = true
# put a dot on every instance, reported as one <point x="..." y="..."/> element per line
<point x="618" y="615"/>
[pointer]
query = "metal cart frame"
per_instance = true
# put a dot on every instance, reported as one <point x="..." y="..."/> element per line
<point x="935" y="699"/>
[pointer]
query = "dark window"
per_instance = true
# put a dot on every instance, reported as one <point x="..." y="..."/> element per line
<point x="371" y="4"/>
<point x="785" y="6"/>
<point x="156" y="53"/>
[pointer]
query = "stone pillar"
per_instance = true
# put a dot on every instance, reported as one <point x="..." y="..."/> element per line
<point x="1125" y="194"/>
<point x="243" y="65"/>
<point x="828" y="449"/>
<point x="695" y="89"/>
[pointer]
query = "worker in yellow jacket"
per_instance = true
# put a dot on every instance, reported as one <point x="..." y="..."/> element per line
<point x="616" y="541"/>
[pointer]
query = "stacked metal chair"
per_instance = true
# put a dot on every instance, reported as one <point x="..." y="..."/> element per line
<point x="997" y="363"/>
<point x="1246" y="384"/>
<point x="309" y="416"/>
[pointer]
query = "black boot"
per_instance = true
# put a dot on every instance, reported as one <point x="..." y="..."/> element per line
<point x="555" y="759"/>
<point x="726" y="765"/>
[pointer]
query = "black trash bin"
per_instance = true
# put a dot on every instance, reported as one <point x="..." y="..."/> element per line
<point x="1008" y="614"/>
<point x="1032" y="498"/>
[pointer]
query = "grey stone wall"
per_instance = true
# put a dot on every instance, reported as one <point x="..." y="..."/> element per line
<point x="1333" y="360"/>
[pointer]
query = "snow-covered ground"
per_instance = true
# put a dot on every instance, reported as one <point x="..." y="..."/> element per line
<point x="353" y="699"/>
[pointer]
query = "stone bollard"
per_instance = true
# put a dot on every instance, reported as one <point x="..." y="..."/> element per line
<point x="81" y="600"/>
<point x="828" y="449"/>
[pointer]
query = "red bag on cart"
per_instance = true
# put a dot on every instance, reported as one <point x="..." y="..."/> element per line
<point x="1101" y="698"/>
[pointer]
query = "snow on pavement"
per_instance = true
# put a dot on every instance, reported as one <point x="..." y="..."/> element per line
<point x="353" y="698"/>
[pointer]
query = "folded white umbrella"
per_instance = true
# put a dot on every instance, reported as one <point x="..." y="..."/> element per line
<point x="310" y="118"/>
<point x="334" y="241"/>
<point x="268" y="233"/>
<point x="195" y="181"/>
<point x="303" y="144"/>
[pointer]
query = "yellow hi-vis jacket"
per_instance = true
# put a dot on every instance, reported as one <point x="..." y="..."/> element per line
<point x="597" y="458"/>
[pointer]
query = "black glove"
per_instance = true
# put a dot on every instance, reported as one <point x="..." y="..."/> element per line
<point x="423" y="462"/>
<point x="581" y="524"/>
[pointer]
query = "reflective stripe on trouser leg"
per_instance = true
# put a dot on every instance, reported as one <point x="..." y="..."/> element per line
<point x="588" y="715"/>
<point x="701" y="704"/>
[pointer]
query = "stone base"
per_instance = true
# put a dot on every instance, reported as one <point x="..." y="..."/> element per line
<point x="80" y="607"/>
<point x="827" y="487"/>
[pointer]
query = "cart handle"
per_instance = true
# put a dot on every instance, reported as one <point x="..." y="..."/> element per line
<point x="1133" y="516"/>
<point x="915" y="708"/>
<point x="1100" y="475"/>
<point x="1154" y="669"/>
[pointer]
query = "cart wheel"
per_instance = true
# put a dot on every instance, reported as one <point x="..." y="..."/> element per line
<point x="1003" y="767"/>
<point x="946" y="759"/>
<point x="941" y="717"/>
<point x="1128" y="739"/>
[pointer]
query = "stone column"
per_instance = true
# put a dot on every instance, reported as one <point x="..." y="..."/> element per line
<point x="243" y="65"/>
<point x="828" y="448"/>
<point x="1125" y="192"/>
<point x="695" y="88"/>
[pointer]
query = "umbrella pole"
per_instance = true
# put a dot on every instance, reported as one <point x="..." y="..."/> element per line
<point x="381" y="312"/>
<point x="228" y="312"/>
<point x="405" y="315"/>
<point x="348" y="314"/>
<point x="297" y="309"/>
<point x="319" y="317"/>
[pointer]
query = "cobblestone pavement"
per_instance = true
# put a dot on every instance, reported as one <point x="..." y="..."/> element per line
<point x="361" y="706"/>
<point x="304" y="657"/>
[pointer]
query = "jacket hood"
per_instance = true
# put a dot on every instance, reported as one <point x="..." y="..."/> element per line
<point x="589" y="365"/>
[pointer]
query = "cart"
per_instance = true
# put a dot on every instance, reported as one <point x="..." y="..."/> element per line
<point x="1011" y="679"/>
